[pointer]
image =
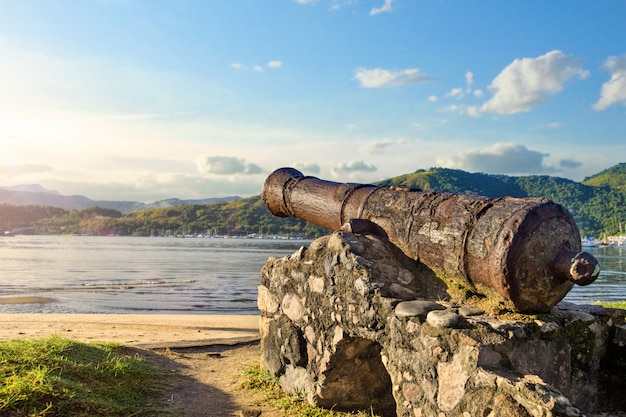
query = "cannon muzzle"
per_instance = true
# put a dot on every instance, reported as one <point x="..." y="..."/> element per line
<point x="525" y="251"/>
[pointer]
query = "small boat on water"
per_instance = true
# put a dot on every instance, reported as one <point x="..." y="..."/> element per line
<point x="7" y="233"/>
<point x="590" y="242"/>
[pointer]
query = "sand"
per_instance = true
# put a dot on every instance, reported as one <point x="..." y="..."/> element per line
<point x="141" y="330"/>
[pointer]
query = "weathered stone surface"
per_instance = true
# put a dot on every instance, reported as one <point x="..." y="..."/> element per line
<point x="356" y="324"/>
<point x="443" y="319"/>
<point x="416" y="308"/>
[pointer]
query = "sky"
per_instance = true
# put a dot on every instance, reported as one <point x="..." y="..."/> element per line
<point x="145" y="100"/>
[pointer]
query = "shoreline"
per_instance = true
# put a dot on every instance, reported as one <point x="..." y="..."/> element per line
<point x="140" y="330"/>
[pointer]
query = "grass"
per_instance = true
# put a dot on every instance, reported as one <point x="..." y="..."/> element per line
<point x="613" y="304"/>
<point x="59" y="377"/>
<point x="292" y="405"/>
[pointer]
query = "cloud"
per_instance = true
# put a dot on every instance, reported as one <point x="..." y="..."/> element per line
<point x="352" y="167"/>
<point x="527" y="82"/>
<point x="226" y="165"/>
<point x="433" y="99"/>
<point x="378" y="147"/>
<point x="307" y="167"/>
<point x="472" y="111"/>
<point x="614" y="90"/>
<point x="469" y="80"/>
<point x="501" y="158"/>
<point x="569" y="163"/>
<point x="15" y="170"/>
<point x="455" y="92"/>
<point x="554" y="125"/>
<point x="385" y="8"/>
<point x="378" y="77"/>
<point x="256" y="67"/>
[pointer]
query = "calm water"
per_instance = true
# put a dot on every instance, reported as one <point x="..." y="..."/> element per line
<point x="136" y="275"/>
<point x="167" y="275"/>
<point x="611" y="284"/>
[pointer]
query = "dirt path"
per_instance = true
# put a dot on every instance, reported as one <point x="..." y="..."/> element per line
<point x="208" y="380"/>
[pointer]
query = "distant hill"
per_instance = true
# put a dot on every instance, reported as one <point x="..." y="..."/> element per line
<point x="614" y="177"/>
<point x="598" y="204"/>
<point x="33" y="188"/>
<point x="35" y="194"/>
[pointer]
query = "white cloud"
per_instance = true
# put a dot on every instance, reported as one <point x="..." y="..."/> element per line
<point x="385" y="8"/>
<point x="473" y="111"/>
<point x="352" y="167"/>
<point x="257" y="67"/>
<point x="555" y="125"/>
<point x="527" y="82"/>
<point x="614" y="90"/>
<point x="433" y="99"/>
<point x="378" y="77"/>
<point x="378" y="147"/>
<point x="455" y="92"/>
<point x="478" y="93"/>
<point x="501" y="158"/>
<point x="307" y="167"/>
<point x="469" y="80"/>
<point x="226" y="165"/>
<point x="13" y="171"/>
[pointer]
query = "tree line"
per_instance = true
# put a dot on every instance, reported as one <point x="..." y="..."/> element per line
<point x="227" y="218"/>
<point x="598" y="205"/>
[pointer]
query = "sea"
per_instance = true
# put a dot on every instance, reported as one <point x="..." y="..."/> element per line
<point x="157" y="275"/>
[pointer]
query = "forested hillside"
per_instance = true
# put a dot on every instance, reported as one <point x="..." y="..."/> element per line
<point x="227" y="218"/>
<point x="598" y="205"/>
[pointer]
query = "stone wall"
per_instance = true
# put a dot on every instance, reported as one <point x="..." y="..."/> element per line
<point x="355" y="324"/>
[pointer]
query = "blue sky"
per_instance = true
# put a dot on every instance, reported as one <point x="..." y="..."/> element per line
<point x="151" y="99"/>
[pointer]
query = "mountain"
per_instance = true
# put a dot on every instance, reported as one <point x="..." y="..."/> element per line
<point x="35" y="194"/>
<point x="614" y="177"/>
<point x="33" y="188"/>
<point x="598" y="204"/>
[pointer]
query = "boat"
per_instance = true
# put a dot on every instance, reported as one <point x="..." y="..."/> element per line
<point x="7" y="233"/>
<point x="590" y="242"/>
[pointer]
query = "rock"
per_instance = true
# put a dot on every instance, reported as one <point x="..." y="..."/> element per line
<point x="416" y="308"/>
<point x="443" y="319"/>
<point x="356" y="325"/>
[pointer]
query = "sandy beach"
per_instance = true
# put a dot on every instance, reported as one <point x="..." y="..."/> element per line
<point x="207" y="353"/>
<point x="141" y="330"/>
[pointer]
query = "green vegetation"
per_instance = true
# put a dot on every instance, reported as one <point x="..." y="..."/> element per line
<point x="291" y="405"/>
<point x="58" y="377"/>
<point x="598" y="205"/>
<point x="614" y="177"/>
<point x="611" y="304"/>
<point x="235" y="218"/>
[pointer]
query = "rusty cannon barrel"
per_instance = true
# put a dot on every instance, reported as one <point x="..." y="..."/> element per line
<point x="526" y="252"/>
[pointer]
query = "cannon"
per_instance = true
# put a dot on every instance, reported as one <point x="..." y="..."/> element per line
<point x="523" y="252"/>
